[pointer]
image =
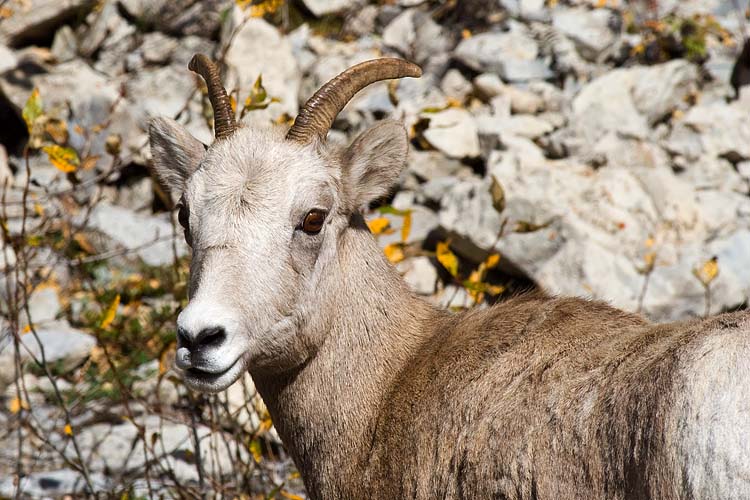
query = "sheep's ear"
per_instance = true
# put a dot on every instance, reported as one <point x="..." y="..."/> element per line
<point x="176" y="154"/>
<point x="374" y="161"/>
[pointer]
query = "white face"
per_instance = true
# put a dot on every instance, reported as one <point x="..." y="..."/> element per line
<point x="263" y="217"/>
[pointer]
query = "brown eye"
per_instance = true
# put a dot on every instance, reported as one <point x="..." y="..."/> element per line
<point x="183" y="217"/>
<point x="313" y="222"/>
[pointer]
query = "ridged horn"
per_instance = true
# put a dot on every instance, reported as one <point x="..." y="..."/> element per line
<point x="318" y="113"/>
<point x="224" y="124"/>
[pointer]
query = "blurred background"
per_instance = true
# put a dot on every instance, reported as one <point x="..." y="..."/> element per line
<point x="599" y="148"/>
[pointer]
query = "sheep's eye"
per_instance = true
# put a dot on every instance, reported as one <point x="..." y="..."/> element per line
<point x="183" y="217"/>
<point x="313" y="222"/>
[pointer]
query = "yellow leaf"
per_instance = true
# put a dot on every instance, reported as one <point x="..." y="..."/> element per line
<point x="32" y="109"/>
<point x="165" y="358"/>
<point x="708" y="271"/>
<point x="256" y="451"/>
<point x="38" y="209"/>
<point x="601" y="3"/>
<point x="492" y="261"/>
<point x="465" y="33"/>
<point x="260" y="9"/>
<point x="379" y="225"/>
<point x="495" y="289"/>
<point x="65" y="159"/>
<point x="265" y="425"/>
<point x="16" y="404"/>
<point x="5" y="12"/>
<point x="290" y="496"/>
<point x="406" y="228"/>
<point x="109" y="316"/>
<point x="394" y="253"/>
<point x="447" y="258"/>
<point x="26" y="329"/>
<point x="68" y="430"/>
<point x="452" y="102"/>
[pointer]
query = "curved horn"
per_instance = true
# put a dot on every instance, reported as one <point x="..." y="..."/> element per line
<point x="224" y="124"/>
<point x="318" y="113"/>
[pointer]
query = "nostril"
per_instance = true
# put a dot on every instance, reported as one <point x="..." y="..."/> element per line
<point x="183" y="338"/>
<point x="211" y="337"/>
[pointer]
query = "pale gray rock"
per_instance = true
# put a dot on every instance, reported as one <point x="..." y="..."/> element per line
<point x="61" y="344"/>
<point x="259" y="48"/>
<point x="435" y="189"/>
<point x="53" y="484"/>
<point x="716" y="129"/>
<point x="154" y="388"/>
<point x="663" y="88"/>
<point x="432" y="164"/>
<point x="178" y="17"/>
<point x="589" y="228"/>
<point x="454" y="132"/>
<point x="454" y="297"/>
<point x="455" y="85"/>
<point x="116" y="51"/>
<point x="526" y="9"/>
<point x="627" y="101"/>
<point x="157" y="48"/>
<point x="512" y="55"/>
<point x="8" y="59"/>
<point x="419" y="38"/>
<point x="99" y="24"/>
<point x="320" y="8"/>
<point x="419" y="274"/>
<point x="589" y="29"/>
<point x="743" y="168"/>
<point x="36" y="18"/>
<point x="64" y="45"/>
<point x="526" y="126"/>
<point x="148" y="237"/>
<point x="6" y="174"/>
<point x="615" y="150"/>
<point x="709" y="172"/>
<point x="487" y="51"/>
<point x="44" y="306"/>
<point x="188" y="46"/>
<point x="522" y="101"/>
<point x="166" y="91"/>
<point x="362" y="21"/>
<point x="606" y="105"/>
<point x="138" y="195"/>
<point x="74" y="92"/>
<point x="109" y="448"/>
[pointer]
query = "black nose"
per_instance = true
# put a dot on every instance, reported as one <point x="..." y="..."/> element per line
<point x="208" y="337"/>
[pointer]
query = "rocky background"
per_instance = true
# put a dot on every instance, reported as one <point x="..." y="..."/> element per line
<point x="599" y="148"/>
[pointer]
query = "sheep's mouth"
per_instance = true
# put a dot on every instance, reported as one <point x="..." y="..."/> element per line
<point x="211" y="381"/>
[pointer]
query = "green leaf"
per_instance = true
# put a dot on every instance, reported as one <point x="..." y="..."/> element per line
<point x="388" y="209"/>
<point x="32" y="109"/>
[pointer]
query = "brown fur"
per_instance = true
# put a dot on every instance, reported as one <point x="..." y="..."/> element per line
<point x="532" y="398"/>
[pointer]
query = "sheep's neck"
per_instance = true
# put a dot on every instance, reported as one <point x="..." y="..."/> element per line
<point x="326" y="411"/>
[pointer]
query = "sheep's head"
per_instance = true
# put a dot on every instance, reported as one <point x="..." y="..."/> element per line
<point x="263" y="213"/>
